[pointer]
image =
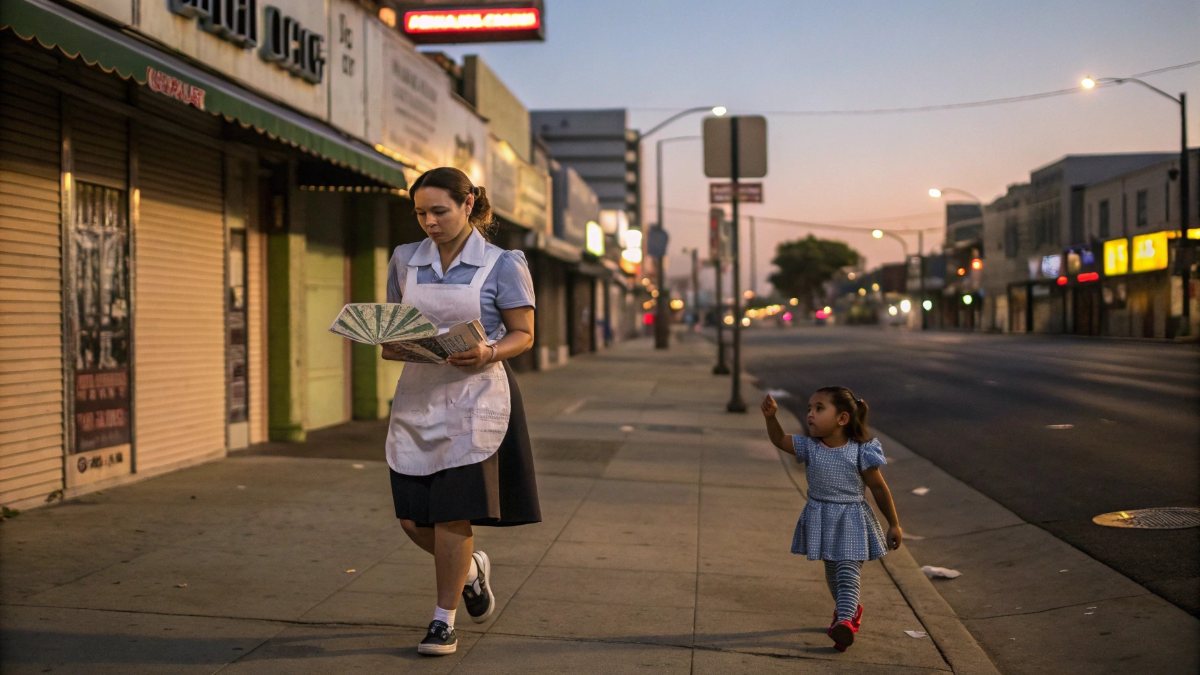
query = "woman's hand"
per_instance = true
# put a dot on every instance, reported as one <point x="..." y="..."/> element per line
<point x="895" y="537"/>
<point x="391" y="352"/>
<point x="474" y="358"/>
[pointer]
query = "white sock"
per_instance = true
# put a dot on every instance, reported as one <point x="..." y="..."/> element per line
<point x="474" y="573"/>
<point x="446" y="616"/>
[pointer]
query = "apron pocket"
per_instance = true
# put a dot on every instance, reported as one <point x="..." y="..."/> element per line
<point x="488" y="428"/>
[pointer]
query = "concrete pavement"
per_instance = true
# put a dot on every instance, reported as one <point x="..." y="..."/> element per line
<point x="664" y="548"/>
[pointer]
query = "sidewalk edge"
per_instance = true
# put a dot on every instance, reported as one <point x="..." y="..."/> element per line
<point x="942" y="623"/>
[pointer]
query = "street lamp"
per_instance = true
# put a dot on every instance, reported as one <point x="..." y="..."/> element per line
<point x="879" y="234"/>
<point x="661" y="314"/>
<point x="1184" y="253"/>
<point x="937" y="193"/>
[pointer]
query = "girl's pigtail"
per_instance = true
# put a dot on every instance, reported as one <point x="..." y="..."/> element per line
<point x="861" y="434"/>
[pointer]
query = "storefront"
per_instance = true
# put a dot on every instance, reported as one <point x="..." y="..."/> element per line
<point x="167" y="280"/>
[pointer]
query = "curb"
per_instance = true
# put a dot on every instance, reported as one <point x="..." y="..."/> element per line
<point x="947" y="631"/>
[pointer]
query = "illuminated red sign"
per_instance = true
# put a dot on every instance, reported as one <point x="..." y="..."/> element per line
<point x="474" y="23"/>
<point x="1088" y="276"/>
<point x="456" y="21"/>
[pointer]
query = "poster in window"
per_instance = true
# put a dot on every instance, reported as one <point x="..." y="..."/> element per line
<point x="100" y="323"/>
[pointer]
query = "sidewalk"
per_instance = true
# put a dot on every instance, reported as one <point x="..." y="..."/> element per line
<point x="664" y="549"/>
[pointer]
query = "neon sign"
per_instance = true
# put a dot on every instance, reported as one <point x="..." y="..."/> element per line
<point x="475" y="23"/>
<point x="458" y="20"/>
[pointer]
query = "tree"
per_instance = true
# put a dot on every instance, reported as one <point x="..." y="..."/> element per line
<point x="806" y="264"/>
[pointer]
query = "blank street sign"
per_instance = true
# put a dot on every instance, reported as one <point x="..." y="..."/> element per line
<point x="752" y="146"/>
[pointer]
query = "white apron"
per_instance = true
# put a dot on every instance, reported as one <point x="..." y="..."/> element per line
<point x="443" y="417"/>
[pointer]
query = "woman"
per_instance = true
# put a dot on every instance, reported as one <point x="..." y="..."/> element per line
<point x="457" y="444"/>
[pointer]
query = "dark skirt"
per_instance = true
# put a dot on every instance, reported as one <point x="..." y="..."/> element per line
<point x="500" y="491"/>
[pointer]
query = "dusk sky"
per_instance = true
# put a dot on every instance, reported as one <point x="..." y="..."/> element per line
<point x="789" y="59"/>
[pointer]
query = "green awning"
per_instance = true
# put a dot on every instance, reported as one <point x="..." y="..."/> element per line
<point x="55" y="27"/>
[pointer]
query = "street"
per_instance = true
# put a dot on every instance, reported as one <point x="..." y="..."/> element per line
<point x="1056" y="429"/>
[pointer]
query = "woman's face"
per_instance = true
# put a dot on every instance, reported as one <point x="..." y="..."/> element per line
<point x="440" y="217"/>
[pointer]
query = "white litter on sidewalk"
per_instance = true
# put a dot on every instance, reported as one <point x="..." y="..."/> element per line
<point x="940" y="572"/>
<point x="917" y="633"/>
<point x="921" y="491"/>
<point x="778" y="393"/>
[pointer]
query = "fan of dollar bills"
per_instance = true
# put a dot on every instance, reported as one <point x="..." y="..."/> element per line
<point x="374" y="323"/>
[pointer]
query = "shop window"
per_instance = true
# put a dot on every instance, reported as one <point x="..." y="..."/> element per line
<point x="1104" y="219"/>
<point x="1140" y="215"/>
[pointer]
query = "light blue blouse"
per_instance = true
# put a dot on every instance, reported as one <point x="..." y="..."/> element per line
<point x="508" y="286"/>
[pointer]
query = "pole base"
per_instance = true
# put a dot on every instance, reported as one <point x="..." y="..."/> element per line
<point x="736" y="405"/>
<point x="720" y="369"/>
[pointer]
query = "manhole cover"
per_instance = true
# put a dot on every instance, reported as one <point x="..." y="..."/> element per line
<point x="1166" y="518"/>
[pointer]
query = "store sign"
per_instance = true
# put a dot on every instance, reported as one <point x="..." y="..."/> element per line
<point x="177" y="89"/>
<point x="415" y="119"/>
<point x="575" y="205"/>
<point x="347" y="61"/>
<point x="278" y="48"/>
<point x="467" y="22"/>
<point x="533" y="198"/>
<point x="232" y="20"/>
<point x="1150" y="252"/>
<point x="286" y="40"/>
<point x="502" y="178"/>
<point x="1116" y="257"/>
<point x="595" y="239"/>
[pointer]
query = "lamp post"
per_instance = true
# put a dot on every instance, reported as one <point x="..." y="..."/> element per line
<point x="661" y="326"/>
<point x="1184" y="254"/>
<point x="937" y="193"/>
<point x="662" y="315"/>
<point x="695" y="253"/>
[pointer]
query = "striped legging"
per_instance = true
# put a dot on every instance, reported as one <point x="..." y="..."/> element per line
<point x="844" y="579"/>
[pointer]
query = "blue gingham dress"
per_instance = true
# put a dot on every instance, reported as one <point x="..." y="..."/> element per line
<point x="837" y="523"/>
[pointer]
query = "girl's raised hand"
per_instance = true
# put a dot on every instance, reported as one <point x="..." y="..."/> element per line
<point x="769" y="406"/>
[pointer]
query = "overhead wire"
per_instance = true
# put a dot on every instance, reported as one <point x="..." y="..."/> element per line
<point x="956" y="106"/>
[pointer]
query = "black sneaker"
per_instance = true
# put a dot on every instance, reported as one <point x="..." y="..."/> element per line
<point x="440" y="640"/>
<point x="477" y="596"/>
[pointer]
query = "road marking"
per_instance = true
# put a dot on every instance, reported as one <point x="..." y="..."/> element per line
<point x="1060" y="426"/>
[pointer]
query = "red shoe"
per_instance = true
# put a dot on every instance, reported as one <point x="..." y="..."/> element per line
<point x="843" y="635"/>
<point x="856" y="621"/>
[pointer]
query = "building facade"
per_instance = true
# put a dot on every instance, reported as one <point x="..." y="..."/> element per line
<point x="185" y="205"/>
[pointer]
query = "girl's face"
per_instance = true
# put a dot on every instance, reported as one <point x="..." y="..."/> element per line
<point x="824" y="420"/>
<point x="440" y="217"/>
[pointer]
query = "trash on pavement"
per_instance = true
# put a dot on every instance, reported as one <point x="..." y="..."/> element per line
<point x="626" y="428"/>
<point x="940" y="572"/>
<point x="917" y="633"/>
<point x="778" y="393"/>
<point x="921" y="491"/>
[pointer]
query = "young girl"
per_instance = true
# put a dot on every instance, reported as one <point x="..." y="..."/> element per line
<point x="837" y="526"/>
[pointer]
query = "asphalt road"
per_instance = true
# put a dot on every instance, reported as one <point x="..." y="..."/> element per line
<point x="990" y="410"/>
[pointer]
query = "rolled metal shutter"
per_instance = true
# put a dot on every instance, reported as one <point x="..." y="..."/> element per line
<point x="179" y="395"/>
<point x="31" y="367"/>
